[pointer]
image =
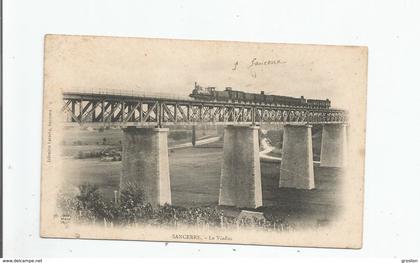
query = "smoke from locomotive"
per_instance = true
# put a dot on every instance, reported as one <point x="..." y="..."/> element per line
<point x="230" y="95"/>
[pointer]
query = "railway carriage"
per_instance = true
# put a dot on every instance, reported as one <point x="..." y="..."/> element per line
<point x="220" y="96"/>
<point x="322" y="104"/>
<point x="249" y="97"/>
<point x="259" y="98"/>
<point x="269" y="99"/>
<point x="231" y="95"/>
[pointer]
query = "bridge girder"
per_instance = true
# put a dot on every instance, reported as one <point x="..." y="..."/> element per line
<point x="146" y="111"/>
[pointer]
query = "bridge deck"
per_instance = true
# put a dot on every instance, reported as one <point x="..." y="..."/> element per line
<point x="147" y="110"/>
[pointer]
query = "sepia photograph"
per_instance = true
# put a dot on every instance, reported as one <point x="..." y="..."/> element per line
<point x="203" y="141"/>
<point x="203" y="131"/>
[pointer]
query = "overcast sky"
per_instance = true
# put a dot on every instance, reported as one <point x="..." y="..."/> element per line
<point x="172" y="66"/>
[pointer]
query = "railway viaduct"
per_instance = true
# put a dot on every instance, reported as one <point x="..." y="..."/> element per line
<point x="145" y="120"/>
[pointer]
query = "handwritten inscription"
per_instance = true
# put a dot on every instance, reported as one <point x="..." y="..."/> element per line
<point x="256" y="63"/>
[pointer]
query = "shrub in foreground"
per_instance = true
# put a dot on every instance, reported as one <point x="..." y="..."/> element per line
<point x="88" y="205"/>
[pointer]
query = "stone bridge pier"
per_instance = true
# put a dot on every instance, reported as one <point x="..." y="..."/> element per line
<point x="297" y="169"/>
<point x="145" y="163"/>
<point x="240" y="182"/>
<point x="334" y="145"/>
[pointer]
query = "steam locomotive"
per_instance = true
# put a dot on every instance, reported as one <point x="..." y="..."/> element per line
<point x="230" y="95"/>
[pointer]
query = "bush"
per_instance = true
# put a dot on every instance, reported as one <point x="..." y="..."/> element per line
<point x="131" y="203"/>
<point x="89" y="205"/>
<point x="91" y="201"/>
<point x="131" y="196"/>
<point x="88" y="154"/>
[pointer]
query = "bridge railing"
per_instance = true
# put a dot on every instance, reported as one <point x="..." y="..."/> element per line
<point x="127" y="93"/>
<point x="104" y="106"/>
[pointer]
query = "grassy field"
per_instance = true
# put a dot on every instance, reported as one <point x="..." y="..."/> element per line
<point x="276" y="138"/>
<point x="195" y="177"/>
<point x="318" y="205"/>
<point x="88" y="140"/>
<point x="195" y="180"/>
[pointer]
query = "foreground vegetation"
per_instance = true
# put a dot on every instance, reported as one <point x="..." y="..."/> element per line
<point x="129" y="208"/>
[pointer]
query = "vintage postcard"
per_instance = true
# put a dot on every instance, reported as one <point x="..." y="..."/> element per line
<point x="203" y="141"/>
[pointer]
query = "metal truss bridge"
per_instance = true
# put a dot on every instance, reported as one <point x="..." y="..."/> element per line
<point x="149" y="110"/>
